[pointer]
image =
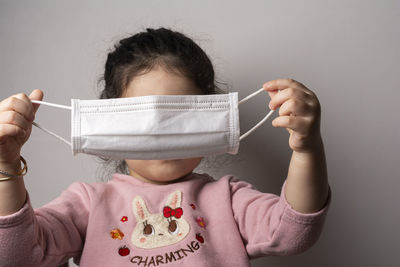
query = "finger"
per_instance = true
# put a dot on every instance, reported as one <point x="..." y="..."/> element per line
<point x="281" y="84"/>
<point x="27" y="101"/>
<point x="18" y="105"/>
<point x="36" y="94"/>
<point x="272" y="94"/>
<point x="11" y="130"/>
<point x="12" y="117"/>
<point x="295" y="107"/>
<point x="297" y="124"/>
<point x="284" y="95"/>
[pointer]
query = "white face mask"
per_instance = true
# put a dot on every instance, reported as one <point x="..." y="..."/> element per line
<point x="156" y="126"/>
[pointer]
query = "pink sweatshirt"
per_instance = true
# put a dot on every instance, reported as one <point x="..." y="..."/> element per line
<point x="197" y="221"/>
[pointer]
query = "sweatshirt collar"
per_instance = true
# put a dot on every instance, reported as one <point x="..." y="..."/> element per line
<point x="134" y="180"/>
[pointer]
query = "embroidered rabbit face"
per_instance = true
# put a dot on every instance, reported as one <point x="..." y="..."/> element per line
<point x="159" y="229"/>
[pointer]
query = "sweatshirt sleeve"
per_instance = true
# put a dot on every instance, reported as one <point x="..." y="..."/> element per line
<point x="269" y="225"/>
<point x="46" y="236"/>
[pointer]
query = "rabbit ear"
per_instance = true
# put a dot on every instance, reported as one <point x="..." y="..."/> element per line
<point x="140" y="209"/>
<point x="174" y="199"/>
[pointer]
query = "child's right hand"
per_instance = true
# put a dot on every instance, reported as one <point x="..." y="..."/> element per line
<point x="17" y="113"/>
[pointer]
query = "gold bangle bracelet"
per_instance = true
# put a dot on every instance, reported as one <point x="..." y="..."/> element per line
<point x="21" y="173"/>
<point x="6" y="178"/>
<point x="24" y="169"/>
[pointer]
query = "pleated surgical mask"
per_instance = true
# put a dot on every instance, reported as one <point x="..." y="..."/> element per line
<point x="156" y="126"/>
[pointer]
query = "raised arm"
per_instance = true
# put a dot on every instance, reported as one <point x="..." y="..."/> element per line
<point x="42" y="237"/>
<point x="300" y="112"/>
<point x="16" y="116"/>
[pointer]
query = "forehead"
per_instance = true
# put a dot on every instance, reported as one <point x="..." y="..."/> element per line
<point x="159" y="81"/>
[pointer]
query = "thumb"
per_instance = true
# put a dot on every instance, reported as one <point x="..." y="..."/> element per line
<point x="36" y="94"/>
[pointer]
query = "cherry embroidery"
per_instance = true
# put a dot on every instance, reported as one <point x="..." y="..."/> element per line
<point x="200" y="238"/>
<point x="123" y="251"/>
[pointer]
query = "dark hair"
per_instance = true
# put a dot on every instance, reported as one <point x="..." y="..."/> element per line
<point x="145" y="50"/>
<point x="156" y="47"/>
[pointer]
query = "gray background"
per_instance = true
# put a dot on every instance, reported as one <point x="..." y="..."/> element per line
<point x="346" y="51"/>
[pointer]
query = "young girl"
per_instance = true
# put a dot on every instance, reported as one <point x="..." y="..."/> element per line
<point x="162" y="213"/>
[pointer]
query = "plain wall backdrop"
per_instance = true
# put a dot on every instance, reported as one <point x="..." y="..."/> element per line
<point x="346" y="51"/>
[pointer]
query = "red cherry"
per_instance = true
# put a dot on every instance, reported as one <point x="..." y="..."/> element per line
<point x="199" y="238"/>
<point x="123" y="251"/>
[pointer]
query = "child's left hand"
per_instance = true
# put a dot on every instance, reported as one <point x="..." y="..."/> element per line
<point x="299" y="112"/>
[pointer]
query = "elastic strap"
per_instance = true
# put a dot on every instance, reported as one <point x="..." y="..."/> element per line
<point x="51" y="133"/>
<point x="51" y="104"/>
<point x="46" y="130"/>
<point x="260" y="122"/>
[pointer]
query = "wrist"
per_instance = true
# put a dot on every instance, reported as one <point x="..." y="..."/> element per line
<point x="10" y="166"/>
<point x="313" y="145"/>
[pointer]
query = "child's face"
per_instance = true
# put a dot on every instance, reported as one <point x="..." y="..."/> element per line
<point x="158" y="81"/>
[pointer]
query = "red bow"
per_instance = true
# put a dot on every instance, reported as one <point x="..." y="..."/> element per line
<point x="168" y="212"/>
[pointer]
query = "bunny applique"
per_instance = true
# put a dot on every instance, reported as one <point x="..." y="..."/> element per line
<point x="155" y="230"/>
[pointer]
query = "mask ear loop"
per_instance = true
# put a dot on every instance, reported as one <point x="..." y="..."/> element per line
<point x="46" y="130"/>
<point x="260" y="122"/>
